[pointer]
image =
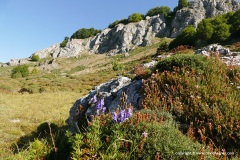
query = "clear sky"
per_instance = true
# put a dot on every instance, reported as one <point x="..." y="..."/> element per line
<point x="27" y="26"/>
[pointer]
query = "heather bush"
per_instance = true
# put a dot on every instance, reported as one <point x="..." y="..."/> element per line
<point x="146" y="135"/>
<point x="141" y="72"/>
<point x="201" y="91"/>
<point x="154" y="135"/>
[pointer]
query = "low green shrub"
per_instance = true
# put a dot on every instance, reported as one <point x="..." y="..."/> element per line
<point x="197" y="62"/>
<point x="165" y="10"/>
<point x="116" y="66"/>
<point x="135" y="17"/>
<point x="35" y="58"/>
<point x="64" y="42"/>
<point x="85" y="33"/>
<point x="20" y="71"/>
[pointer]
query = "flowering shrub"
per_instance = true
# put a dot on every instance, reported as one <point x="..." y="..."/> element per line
<point x="141" y="73"/>
<point x="146" y="135"/>
<point x="181" y="48"/>
<point x="201" y="91"/>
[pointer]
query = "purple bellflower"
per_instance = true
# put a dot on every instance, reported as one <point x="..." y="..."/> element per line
<point x="114" y="117"/>
<point x="128" y="113"/>
<point x="121" y="116"/>
<point x="99" y="105"/>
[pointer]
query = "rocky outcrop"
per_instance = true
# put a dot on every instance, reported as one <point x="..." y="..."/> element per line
<point x="48" y="65"/>
<point x="112" y="92"/>
<point x="72" y="49"/>
<point x="3" y="64"/>
<point x="120" y="39"/>
<point x="123" y="38"/>
<point x="198" y="10"/>
<point x="228" y="57"/>
<point x="14" y="62"/>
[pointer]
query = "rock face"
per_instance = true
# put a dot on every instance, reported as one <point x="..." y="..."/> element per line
<point x="72" y="49"/>
<point x="228" y="57"/>
<point x="120" y="39"/>
<point x="111" y="92"/>
<point x="198" y="10"/>
<point x="123" y="38"/>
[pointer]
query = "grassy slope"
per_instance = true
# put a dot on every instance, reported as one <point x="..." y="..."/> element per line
<point x="61" y="88"/>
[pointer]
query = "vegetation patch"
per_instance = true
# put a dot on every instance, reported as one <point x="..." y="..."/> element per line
<point x="201" y="92"/>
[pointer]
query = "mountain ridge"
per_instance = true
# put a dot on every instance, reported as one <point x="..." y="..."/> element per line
<point x="123" y="38"/>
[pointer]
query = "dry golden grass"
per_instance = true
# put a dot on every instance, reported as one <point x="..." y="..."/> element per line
<point x="22" y="113"/>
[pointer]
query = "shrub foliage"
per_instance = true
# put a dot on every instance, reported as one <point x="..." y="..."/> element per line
<point x="135" y="17"/>
<point x="211" y="30"/>
<point x="20" y="71"/>
<point x="164" y="10"/>
<point x="35" y="58"/>
<point x="202" y="92"/>
<point x="85" y="33"/>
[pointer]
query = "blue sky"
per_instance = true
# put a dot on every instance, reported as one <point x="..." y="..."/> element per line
<point x="27" y="26"/>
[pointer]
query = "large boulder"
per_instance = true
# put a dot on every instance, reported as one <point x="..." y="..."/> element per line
<point x="112" y="92"/>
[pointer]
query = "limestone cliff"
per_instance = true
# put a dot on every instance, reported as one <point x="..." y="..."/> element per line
<point x="198" y="10"/>
<point x="123" y="38"/>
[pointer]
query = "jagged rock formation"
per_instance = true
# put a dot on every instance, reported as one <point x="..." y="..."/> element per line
<point x="228" y="57"/>
<point x="111" y="92"/>
<point x="123" y="38"/>
<point x="120" y="39"/>
<point x="198" y="10"/>
<point x="72" y="49"/>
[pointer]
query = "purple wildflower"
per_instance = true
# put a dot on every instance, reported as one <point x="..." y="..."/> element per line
<point x="114" y="117"/>
<point x="94" y="98"/>
<point x="128" y="113"/>
<point x="121" y="116"/>
<point x="103" y="109"/>
<point x="100" y="104"/>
